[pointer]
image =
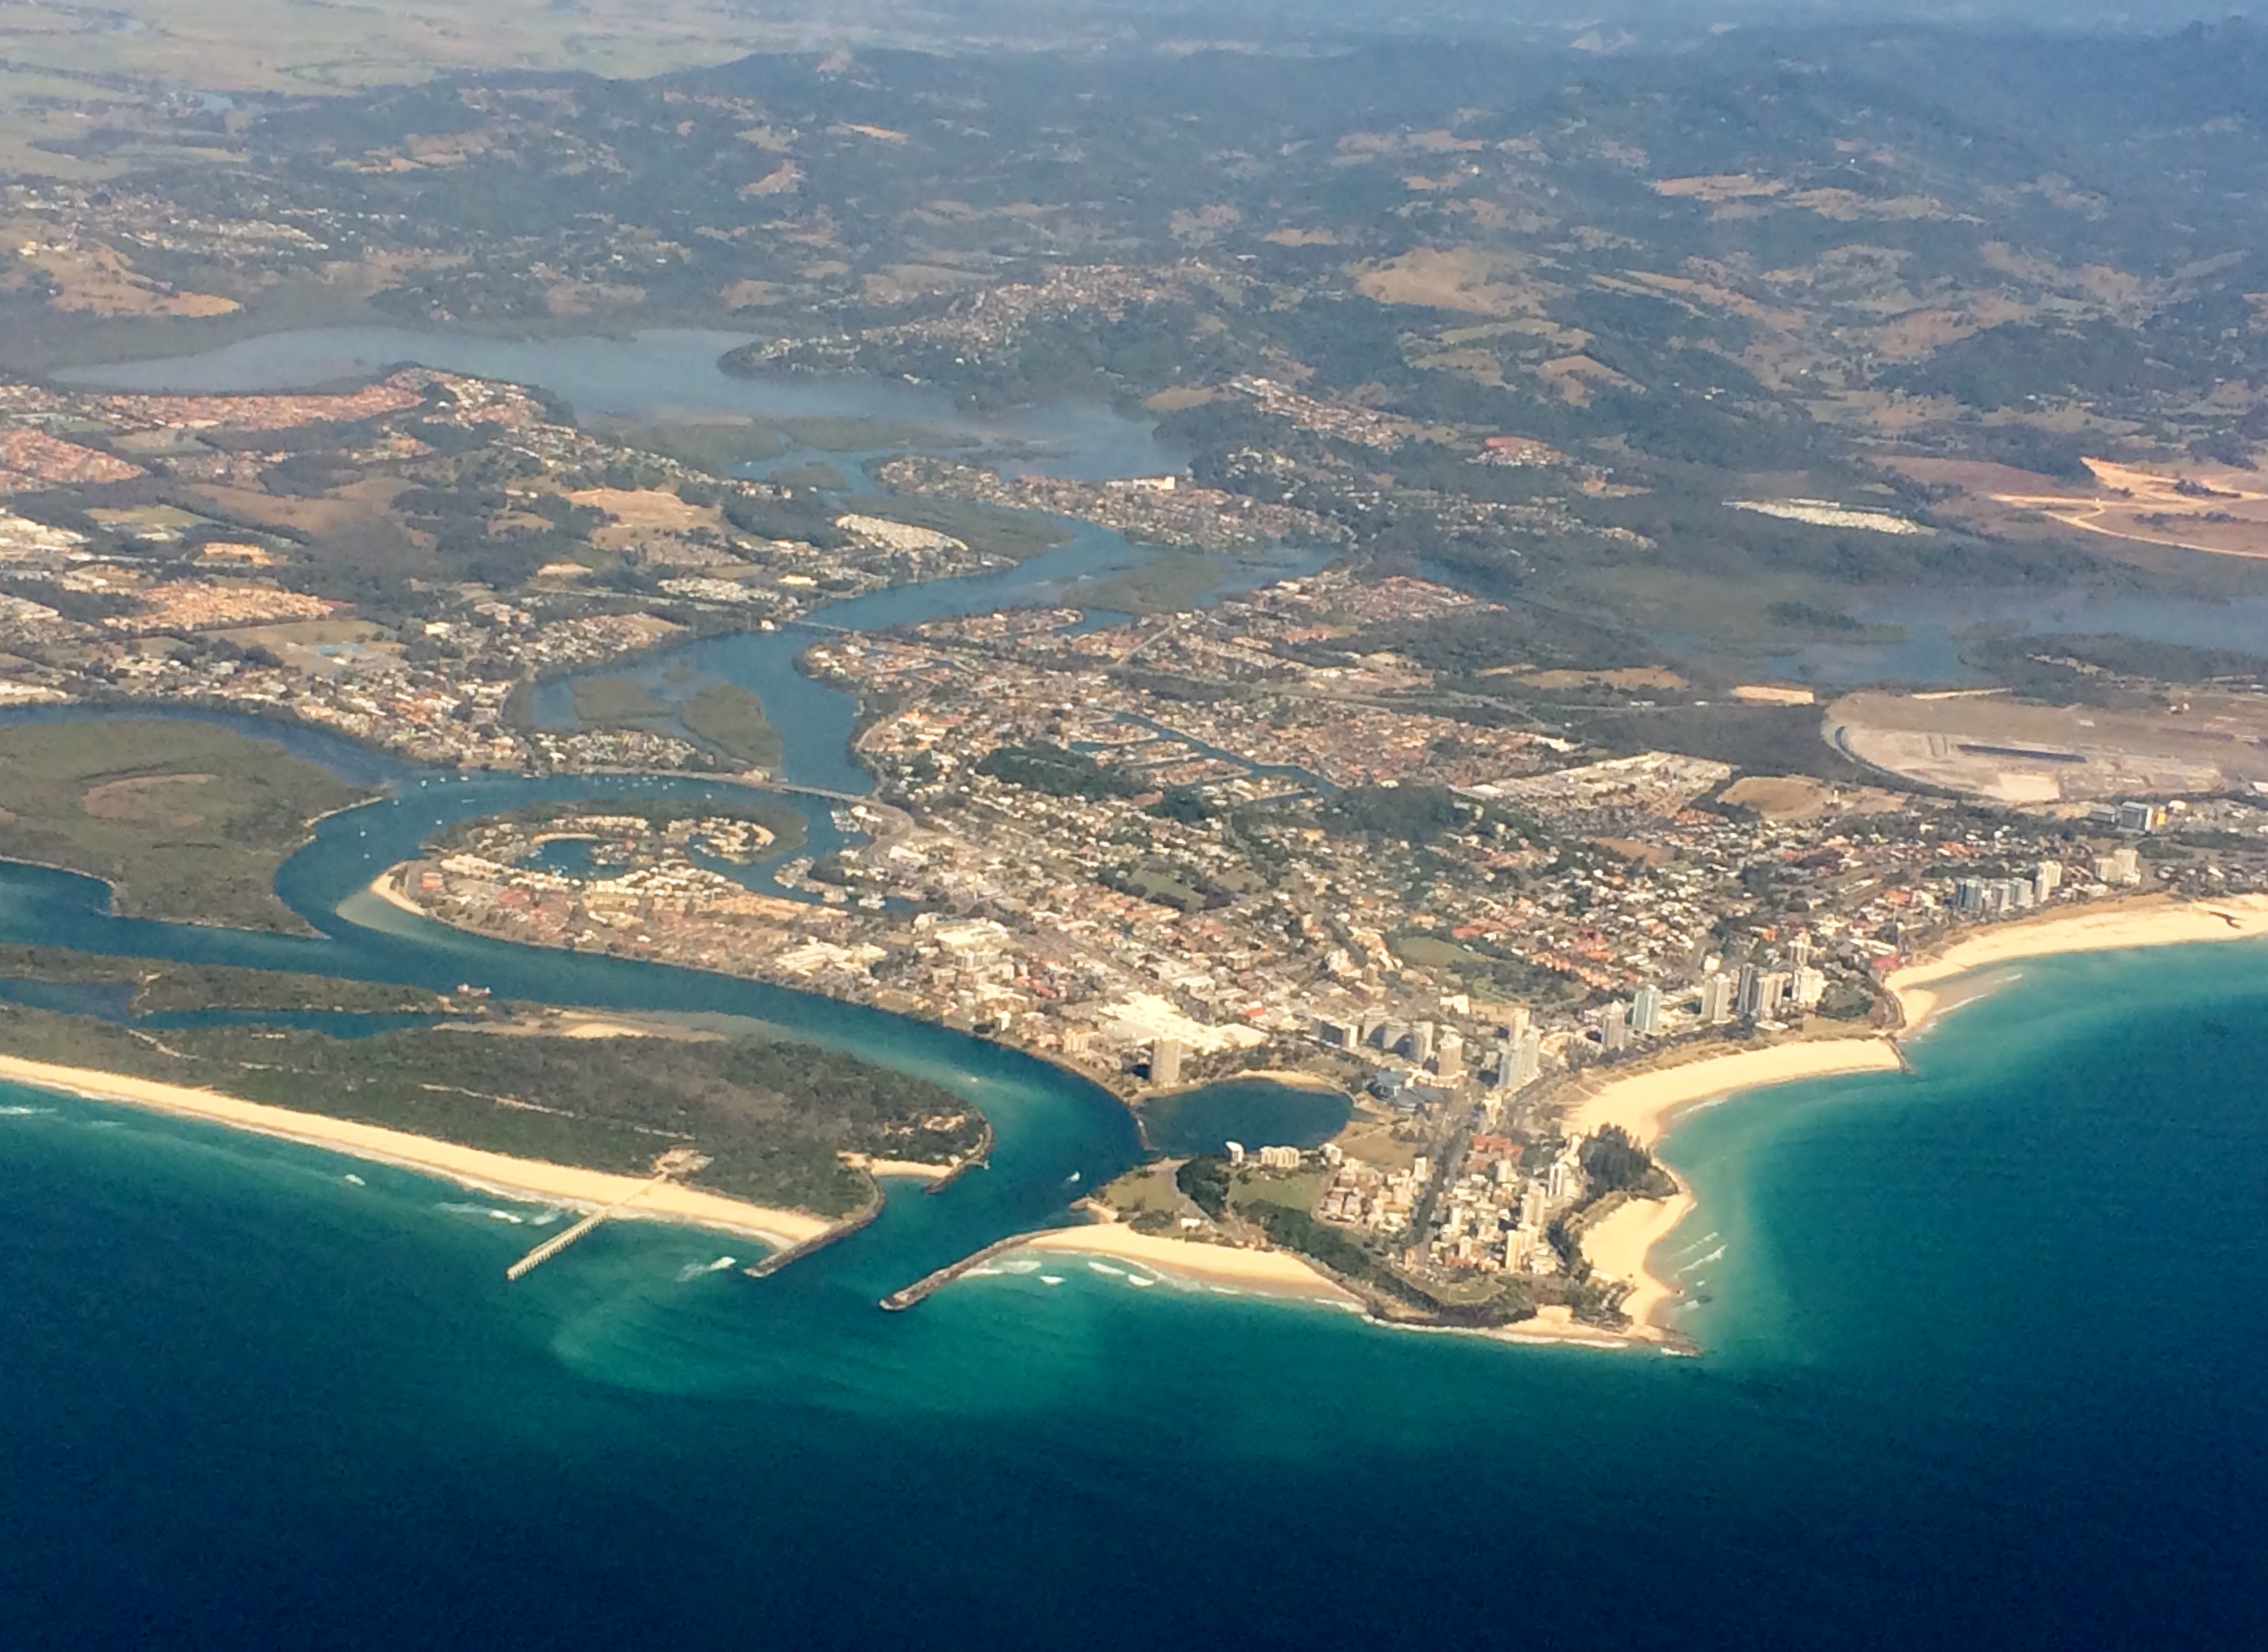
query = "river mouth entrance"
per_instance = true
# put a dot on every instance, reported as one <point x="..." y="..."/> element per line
<point x="1057" y="1135"/>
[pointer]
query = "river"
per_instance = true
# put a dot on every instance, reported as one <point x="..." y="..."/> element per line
<point x="1058" y="1137"/>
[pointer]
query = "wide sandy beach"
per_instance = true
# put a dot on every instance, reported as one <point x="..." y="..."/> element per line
<point x="2151" y="921"/>
<point x="493" y="1172"/>
<point x="1642" y="1102"/>
<point x="1269" y="1272"/>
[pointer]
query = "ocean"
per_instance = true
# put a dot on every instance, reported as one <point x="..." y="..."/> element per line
<point x="1981" y="1370"/>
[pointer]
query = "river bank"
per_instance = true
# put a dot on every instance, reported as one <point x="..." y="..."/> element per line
<point x="534" y="1180"/>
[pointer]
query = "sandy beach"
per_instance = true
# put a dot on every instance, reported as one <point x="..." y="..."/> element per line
<point x="1642" y="1102"/>
<point x="1269" y="1273"/>
<point x="2151" y="921"/>
<point x="1618" y="1247"/>
<point x="498" y="1173"/>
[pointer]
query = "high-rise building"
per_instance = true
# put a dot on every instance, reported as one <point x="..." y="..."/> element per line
<point x="1716" y="998"/>
<point x="1772" y="994"/>
<point x="1419" y="1046"/>
<point x="1744" y="991"/>
<point x="1531" y="1207"/>
<point x="1646" y="1010"/>
<point x="1614" y="1029"/>
<point x="1531" y="1053"/>
<point x="2046" y="880"/>
<point x="1449" y="1055"/>
<point x="2120" y="866"/>
<point x="1165" y="1061"/>
<point x="1808" y="987"/>
<point x="1516" y="1023"/>
<point x="1799" y="951"/>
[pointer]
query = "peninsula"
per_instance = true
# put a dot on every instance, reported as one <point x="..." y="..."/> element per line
<point x="778" y="1139"/>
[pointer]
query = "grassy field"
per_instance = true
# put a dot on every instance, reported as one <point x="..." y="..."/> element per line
<point x="186" y="821"/>
<point x="731" y="718"/>
<point x="1015" y="535"/>
<point x="1150" y="1188"/>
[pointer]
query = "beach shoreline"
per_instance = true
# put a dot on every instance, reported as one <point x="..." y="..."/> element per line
<point x="1261" y="1273"/>
<point x="1642" y="1102"/>
<point x="534" y="1180"/>
<point x="2150" y="920"/>
<point x="1619" y="1247"/>
<point x="1645" y="1102"/>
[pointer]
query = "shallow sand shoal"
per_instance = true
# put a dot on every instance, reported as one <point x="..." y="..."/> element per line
<point x="1641" y="1103"/>
<point x="913" y="1170"/>
<point x="1272" y="1272"/>
<point x="471" y="1167"/>
<point x="2153" y="921"/>
<point x="1618" y="1245"/>
<point x="382" y="887"/>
